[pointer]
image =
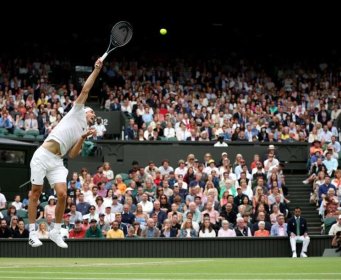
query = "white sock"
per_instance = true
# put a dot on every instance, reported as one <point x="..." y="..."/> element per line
<point x="57" y="226"/>
<point x="32" y="227"/>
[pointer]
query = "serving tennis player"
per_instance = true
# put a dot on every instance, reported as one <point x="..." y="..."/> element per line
<point x="66" y="138"/>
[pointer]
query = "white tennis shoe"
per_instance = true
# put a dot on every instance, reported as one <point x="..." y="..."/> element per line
<point x="56" y="237"/>
<point x="33" y="239"/>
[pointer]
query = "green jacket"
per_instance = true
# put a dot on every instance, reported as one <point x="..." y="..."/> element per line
<point x="90" y="233"/>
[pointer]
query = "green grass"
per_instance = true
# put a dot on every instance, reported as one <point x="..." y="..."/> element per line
<point x="177" y="269"/>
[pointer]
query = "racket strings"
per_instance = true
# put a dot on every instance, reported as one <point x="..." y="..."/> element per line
<point x="121" y="34"/>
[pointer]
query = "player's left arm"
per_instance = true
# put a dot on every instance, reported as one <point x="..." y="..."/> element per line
<point x="76" y="149"/>
<point x="89" y="83"/>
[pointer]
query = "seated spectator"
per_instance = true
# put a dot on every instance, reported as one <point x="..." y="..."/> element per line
<point x="275" y="212"/>
<point x="206" y="229"/>
<point x="13" y="226"/>
<point x="11" y="211"/>
<point x="31" y="124"/>
<point x="187" y="230"/>
<point x="225" y="231"/>
<point x="7" y="122"/>
<point x="78" y="232"/>
<point x="241" y="229"/>
<point x="261" y="232"/>
<point x="93" y="231"/>
<point x="102" y="225"/>
<point x="50" y="207"/>
<point x="43" y="232"/>
<point x="335" y="227"/>
<point x="4" y="230"/>
<point x="17" y="202"/>
<point x="100" y="129"/>
<point x="167" y="230"/>
<point x="279" y="228"/>
<point x="150" y="230"/>
<point x="21" y="232"/>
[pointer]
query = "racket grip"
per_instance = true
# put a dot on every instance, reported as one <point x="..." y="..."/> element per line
<point x="103" y="56"/>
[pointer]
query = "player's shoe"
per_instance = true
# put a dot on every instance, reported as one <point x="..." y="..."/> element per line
<point x="33" y="239"/>
<point x="56" y="237"/>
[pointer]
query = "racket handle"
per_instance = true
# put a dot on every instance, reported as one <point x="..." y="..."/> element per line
<point x="103" y="56"/>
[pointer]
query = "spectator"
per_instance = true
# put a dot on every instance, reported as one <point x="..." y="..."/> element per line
<point x="280" y="228"/>
<point x="31" y="123"/>
<point x="6" y="121"/>
<point x="261" y="232"/>
<point x="4" y="230"/>
<point x="102" y="225"/>
<point x="241" y="229"/>
<point x="187" y="230"/>
<point x="100" y="129"/>
<point x="50" y="207"/>
<point x="335" y="227"/>
<point x="225" y="231"/>
<point x="206" y="229"/>
<point x="43" y="232"/>
<point x="21" y="232"/>
<point x="93" y="231"/>
<point x="17" y="202"/>
<point x="78" y="232"/>
<point x="115" y="231"/>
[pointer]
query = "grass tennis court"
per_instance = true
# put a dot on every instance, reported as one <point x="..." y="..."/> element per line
<point x="177" y="269"/>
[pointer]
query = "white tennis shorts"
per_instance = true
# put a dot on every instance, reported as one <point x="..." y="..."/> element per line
<point x="44" y="163"/>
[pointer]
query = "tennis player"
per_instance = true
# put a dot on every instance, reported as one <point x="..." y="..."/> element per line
<point x="66" y="138"/>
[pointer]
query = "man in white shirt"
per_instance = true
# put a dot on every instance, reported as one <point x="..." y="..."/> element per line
<point x="66" y="138"/>
<point x="100" y="129"/>
<point x="147" y="206"/>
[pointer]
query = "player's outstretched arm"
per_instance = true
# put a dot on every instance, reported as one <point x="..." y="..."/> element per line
<point x="89" y="83"/>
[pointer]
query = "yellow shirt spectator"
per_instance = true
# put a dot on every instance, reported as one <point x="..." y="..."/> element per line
<point x="115" y="232"/>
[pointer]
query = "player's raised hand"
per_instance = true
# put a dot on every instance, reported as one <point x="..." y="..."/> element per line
<point x="98" y="64"/>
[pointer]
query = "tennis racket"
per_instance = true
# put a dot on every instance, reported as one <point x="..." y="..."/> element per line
<point x="120" y="35"/>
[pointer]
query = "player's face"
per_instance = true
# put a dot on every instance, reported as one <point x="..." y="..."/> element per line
<point x="90" y="117"/>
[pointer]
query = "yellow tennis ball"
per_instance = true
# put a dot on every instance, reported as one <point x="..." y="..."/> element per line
<point x="163" y="31"/>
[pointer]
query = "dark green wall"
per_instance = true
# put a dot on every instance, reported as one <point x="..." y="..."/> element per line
<point x="14" y="175"/>
<point x="242" y="247"/>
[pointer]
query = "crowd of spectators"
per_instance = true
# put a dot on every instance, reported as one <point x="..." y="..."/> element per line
<point x="189" y="101"/>
<point x="198" y="198"/>
<point x="184" y="100"/>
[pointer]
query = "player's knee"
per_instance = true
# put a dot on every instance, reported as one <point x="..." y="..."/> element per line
<point x="61" y="195"/>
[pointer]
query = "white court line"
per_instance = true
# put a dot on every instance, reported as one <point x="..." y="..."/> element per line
<point x="171" y="273"/>
<point x="82" y="278"/>
<point x="33" y="265"/>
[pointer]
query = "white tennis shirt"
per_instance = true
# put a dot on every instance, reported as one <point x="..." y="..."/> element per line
<point x="70" y="128"/>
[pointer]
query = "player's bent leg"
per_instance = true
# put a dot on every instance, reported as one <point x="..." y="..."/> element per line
<point x="34" y="195"/>
<point x="55" y="234"/>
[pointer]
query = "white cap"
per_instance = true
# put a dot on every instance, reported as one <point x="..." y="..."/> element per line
<point x="51" y="197"/>
<point x="87" y="109"/>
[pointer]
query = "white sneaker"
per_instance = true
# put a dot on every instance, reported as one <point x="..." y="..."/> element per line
<point x="33" y="239"/>
<point x="305" y="182"/>
<point x="56" y="237"/>
<point x="303" y="255"/>
<point x="294" y="255"/>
